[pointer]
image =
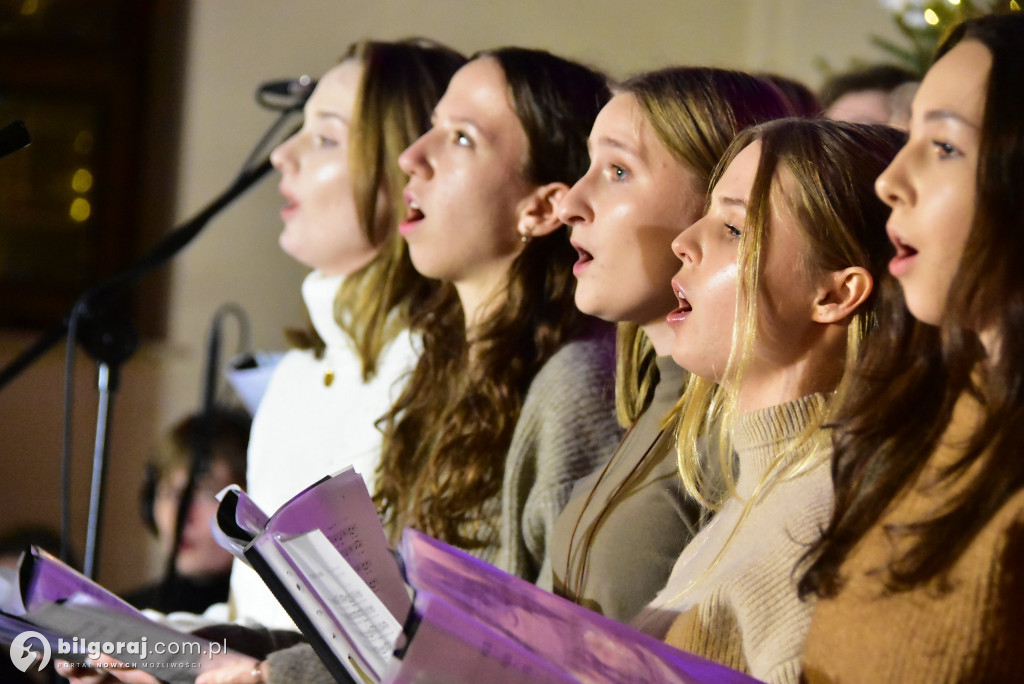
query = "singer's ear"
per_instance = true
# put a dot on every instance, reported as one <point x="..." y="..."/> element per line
<point x="538" y="214"/>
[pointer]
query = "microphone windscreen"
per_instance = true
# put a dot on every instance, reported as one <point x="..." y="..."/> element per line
<point x="285" y="95"/>
<point x="13" y="137"/>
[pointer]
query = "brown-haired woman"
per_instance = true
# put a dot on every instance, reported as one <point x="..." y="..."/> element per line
<point x="792" y="242"/>
<point x="653" y="150"/>
<point x="512" y="399"/>
<point x="921" y="572"/>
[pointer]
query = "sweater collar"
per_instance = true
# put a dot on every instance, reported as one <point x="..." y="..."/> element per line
<point x="762" y="436"/>
<point x="319" y="292"/>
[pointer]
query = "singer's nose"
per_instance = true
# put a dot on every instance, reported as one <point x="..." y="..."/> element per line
<point x="283" y="155"/>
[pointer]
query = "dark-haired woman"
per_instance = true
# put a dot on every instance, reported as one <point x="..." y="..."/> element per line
<point x="512" y="400"/>
<point x="921" y="572"/>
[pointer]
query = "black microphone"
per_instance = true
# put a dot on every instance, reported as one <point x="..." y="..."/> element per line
<point x="13" y="137"/>
<point x="286" y="94"/>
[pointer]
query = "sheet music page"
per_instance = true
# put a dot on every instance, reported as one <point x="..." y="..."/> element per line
<point x="328" y="627"/>
<point x="589" y="646"/>
<point x="73" y="611"/>
<point x="370" y="626"/>
<point x="10" y="592"/>
<point x="340" y="506"/>
<point x="11" y="627"/>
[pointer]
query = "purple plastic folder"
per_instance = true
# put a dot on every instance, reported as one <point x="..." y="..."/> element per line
<point x="523" y="633"/>
<point x="74" y="613"/>
<point x="324" y="555"/>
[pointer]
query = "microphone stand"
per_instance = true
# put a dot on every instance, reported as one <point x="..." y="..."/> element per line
<point x="98" y="321"/>
<point x="203" y="437"/>
<point x="113" y="340"/>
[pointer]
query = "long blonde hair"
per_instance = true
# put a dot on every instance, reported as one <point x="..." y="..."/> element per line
<point x="695" y="112"/>
<point x="400" y="84"/>
<point x="834" y="166"/>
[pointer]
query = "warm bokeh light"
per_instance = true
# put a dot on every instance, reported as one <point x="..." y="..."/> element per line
<point x="81" y="182"/>
<point x="29" y="7"/>
<point x="931" y="17"/>
<point x="83" y="142"/>
<point x="954" y="2"/>
<point x="80" y="209"/>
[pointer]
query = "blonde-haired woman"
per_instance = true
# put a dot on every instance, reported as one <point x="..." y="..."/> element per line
<point x="792" y="242"/>
<point x="343" y="191"/>
<point x="653" y="150"/>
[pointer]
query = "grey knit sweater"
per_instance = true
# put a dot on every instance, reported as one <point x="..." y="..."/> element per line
<point x="566" y="429"/>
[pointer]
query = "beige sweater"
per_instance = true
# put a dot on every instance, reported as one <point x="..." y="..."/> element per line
<point x="972" y="633"/>
<point x="743" y="610"/>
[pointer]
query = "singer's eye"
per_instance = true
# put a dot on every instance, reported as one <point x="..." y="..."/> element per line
<point x="324" y="141"/>
<point x="461" y="139"/>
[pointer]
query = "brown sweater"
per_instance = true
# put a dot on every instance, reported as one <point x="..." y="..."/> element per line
<point x="974" y="632"/>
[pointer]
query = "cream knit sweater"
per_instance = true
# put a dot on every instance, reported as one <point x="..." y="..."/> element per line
<point x="743" y="610"/>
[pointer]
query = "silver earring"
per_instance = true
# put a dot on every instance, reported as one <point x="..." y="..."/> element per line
<point x="525" y="237"/>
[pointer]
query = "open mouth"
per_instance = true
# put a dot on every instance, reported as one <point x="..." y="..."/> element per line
<point x="582" y="261"/>
<point x="412" y="218"/>
<point x="290" y="204"/>
<point x="683" y="310"/>
<point x="904" y="258"/>
<point x="415" y="213"/>
<point x="903" y="250"/>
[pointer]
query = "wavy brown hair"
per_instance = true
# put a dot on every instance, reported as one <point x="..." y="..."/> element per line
<point x="695" y="112"/>
<point x="912" y="378"/>
<point x="447" y="436"/>
<point x="400" y="84"/>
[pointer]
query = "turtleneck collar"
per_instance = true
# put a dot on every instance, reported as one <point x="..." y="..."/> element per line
<point x="762" y="436"/>
<point x="319" y="292"/>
